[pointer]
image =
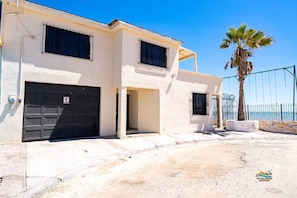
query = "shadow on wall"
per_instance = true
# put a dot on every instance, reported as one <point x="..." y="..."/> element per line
<point x="151" y="70"/>
<point x="9" y="109"/>
<point x="168" y="88"/>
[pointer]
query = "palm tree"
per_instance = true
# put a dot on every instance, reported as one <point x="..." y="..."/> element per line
<point x="245" y="40"/>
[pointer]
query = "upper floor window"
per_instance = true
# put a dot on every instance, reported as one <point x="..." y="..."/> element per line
<point x="153" y="54"/>
<point x="199" y="104"/>
<point x="68" y="43"/>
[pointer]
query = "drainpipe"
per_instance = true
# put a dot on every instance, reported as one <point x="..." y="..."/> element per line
<point x="19" y="99"/>
<point x="2" y="37"/>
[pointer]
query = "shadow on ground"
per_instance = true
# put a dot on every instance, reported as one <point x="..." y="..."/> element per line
<point x="220" y="132"/>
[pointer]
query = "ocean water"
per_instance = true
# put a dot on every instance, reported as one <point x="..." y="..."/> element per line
<point x="277" y="116"/>
<point x="277" y="112"/>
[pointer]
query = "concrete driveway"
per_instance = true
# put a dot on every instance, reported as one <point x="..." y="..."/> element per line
<point x="221" y="164"/>
<point x="209" y="169"/>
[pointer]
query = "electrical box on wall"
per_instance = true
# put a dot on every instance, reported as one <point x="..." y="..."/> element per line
<point x="12" y="98"/>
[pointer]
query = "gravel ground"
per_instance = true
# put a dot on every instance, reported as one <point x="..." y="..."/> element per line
<point x="217" y="169"/>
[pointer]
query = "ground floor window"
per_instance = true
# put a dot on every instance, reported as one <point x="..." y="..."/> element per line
<point x="199" y="104"/>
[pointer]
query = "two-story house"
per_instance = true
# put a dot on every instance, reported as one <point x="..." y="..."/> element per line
<point x="64" y="76"/>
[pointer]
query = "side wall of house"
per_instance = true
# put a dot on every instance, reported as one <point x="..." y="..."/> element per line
<point x="177" y="102"/>
<point x="173" y="103"/>
<point x="21" y="51"/>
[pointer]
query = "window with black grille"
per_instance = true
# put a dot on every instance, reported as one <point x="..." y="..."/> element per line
<point x="199" y="104"/>
<point x="153" y="54"/>
<point x="68" y="43"/>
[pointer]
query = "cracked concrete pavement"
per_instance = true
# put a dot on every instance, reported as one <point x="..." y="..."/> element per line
<point x="31" y="169"/>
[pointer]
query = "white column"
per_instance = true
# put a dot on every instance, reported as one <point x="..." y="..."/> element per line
<point x="122" y="112"/>
<point x="195" y="63"/>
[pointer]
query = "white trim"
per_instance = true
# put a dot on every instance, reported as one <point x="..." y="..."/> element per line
<point x="91" y="37"/>
<point x="43" y="38"/>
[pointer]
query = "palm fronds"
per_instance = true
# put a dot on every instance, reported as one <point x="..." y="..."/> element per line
<point x="245" y="40"/>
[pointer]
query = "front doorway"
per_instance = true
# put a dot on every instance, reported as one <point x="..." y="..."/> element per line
<point x="216" y="111"/>
<point x="142" y="111"/>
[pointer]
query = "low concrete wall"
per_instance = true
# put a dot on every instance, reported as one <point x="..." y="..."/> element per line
<point x="247" y="125"/>
<point x="278" y="126"/>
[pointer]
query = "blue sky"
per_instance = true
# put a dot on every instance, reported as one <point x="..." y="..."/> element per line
<point x="202" y="24"/>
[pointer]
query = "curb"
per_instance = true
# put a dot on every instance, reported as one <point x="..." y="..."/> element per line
<point x="38" y="190"/>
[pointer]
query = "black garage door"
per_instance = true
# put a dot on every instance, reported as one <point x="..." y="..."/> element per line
<point x="60" y="111"/>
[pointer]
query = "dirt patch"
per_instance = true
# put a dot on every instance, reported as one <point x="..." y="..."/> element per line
<point x="168" y="172"/>
<point x="278" y="126"/>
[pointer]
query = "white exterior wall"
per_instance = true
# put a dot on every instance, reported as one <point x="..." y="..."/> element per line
<point x="174" y="100"/>
<point x="133" y="109"/>
<point x="51" y="68"/>
<point x="161" y="98"/>
<point x="149" y="113"/>
<point x="118" y="58"/>
<point x="135" y="74"/>
<point x="177" y="115"/>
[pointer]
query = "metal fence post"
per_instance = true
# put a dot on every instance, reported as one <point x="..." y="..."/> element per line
<point x="294" y="86"/>
<point x="281" y="109"/>
<point x="248" y="112"/>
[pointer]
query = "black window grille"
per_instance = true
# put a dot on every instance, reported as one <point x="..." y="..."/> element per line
<point x="68" y="43"/>
<point x="153" y="54"/>
<point x="199" y="104"/>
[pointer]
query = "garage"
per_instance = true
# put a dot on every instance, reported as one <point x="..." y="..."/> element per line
<point x="53" y="111"/>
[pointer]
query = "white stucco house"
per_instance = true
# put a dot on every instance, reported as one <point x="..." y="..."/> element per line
<point x="64" y="76"/>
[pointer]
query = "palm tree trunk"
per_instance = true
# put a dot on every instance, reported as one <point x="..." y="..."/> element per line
<point x="241" y="114"/>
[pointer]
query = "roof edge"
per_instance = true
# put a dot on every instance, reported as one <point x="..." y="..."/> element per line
<point x="113" y="26"/>
<point x="117" y="24"/>
<point x="35" y="7"/>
